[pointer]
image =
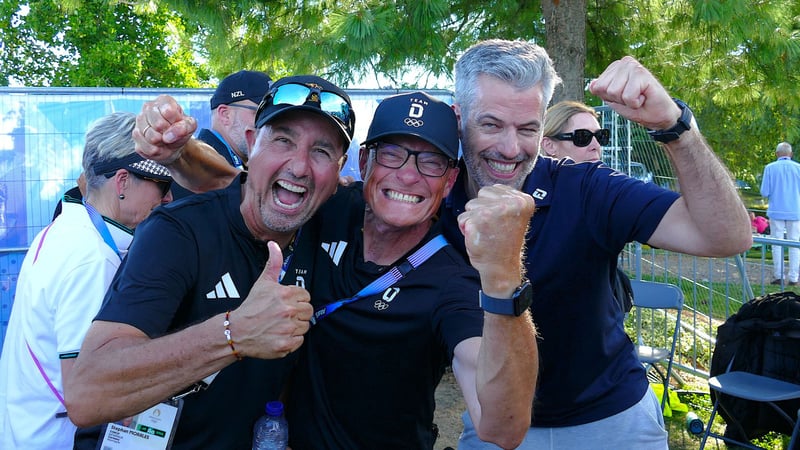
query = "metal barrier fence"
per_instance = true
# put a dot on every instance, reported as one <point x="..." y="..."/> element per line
<point x="714" y="289"/>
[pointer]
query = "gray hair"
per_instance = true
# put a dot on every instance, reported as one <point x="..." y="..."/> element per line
<point x="784" y="149"/>
<point x="108" y="138"/>
<point x="518" y="63"/>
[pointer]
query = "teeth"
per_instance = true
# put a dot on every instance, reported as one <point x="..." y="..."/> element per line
<point x="394" y="195"/>
<point x="292" y="187"/>
<point x="501" y="167"/>
<point x="285" y="205"/>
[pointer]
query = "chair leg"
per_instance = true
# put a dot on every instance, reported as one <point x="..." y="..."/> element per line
<point x="710" y="423"/>
<point x="793" y="442"/>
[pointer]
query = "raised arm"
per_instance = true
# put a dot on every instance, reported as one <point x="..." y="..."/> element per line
<point x="497" y="372"/>
<point x="120" y="371"/>
<point x="709" y="219"/>
<point x="163" y="133"/>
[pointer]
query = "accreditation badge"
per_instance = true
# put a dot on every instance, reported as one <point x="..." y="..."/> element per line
<point x="153" y="429"/>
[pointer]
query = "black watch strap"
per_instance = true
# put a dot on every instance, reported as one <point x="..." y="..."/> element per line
<point x="516" y="305"/>
<point x="684" y="123"/>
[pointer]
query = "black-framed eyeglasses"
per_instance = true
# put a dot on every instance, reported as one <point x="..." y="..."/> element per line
<point x="296" y="94"/>
<point x="582" y="137"/>
<point x="393" y="156"/>
<point x="250" y="107"/>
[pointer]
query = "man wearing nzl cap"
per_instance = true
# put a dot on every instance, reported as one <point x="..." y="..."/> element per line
<point x="233" y="111"/>
<point x="196" y="303"/>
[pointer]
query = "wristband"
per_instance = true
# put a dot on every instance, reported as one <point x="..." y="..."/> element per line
<point x="227" y="324"/>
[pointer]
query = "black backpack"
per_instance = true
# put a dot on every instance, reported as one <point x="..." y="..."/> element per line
<point x="762" y="339"/>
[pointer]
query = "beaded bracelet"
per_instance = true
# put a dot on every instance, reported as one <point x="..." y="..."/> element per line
<point x="227" y="325"/>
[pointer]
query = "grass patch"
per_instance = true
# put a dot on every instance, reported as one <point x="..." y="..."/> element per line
<point x="699" y="402"/>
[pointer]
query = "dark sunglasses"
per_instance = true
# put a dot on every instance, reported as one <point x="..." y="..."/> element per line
<point x="162" y="184"/>
<point x="582" y="138"/>
<point x="298" y="94"/>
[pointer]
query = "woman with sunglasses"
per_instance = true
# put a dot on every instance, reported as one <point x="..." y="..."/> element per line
<point x="571" y="131"/>
<point x="63" y="280"/>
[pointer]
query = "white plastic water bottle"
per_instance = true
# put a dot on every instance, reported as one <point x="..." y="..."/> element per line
<point x="271" y="431"/>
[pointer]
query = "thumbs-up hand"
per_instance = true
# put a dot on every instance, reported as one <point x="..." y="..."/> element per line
<point x="272" y="320"/>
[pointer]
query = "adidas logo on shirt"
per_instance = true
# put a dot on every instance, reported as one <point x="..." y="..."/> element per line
<point x="335" y="250"/>
<point x="224" y="288"/>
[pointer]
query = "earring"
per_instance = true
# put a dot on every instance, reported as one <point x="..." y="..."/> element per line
<point x="122" y="196"/>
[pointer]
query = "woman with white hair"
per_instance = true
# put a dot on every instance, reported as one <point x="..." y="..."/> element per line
<point x="63" y="281"/>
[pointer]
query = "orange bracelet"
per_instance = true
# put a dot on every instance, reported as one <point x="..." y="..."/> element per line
<point x="227" y="325"/>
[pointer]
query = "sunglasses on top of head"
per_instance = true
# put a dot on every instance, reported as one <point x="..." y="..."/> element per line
<point x="582" y="137"/>
<point x="298" y="94"/>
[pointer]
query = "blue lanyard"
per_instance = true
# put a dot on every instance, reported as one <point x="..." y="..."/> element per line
<point x="237" y="162"/>
<point x="288" y="259"/>
<point x="389" y="278"/>
<point x="102" y="228"/>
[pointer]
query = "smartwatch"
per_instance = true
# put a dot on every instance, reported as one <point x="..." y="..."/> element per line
<point x="520" y="301"/>
<point x="684" y="123"/>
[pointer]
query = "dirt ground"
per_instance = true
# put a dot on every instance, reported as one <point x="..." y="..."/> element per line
<point x="449" y="406"/>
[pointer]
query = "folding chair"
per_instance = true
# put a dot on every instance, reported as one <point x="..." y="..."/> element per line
<point x="757" y="388"/>
<point x="657" y="296"/>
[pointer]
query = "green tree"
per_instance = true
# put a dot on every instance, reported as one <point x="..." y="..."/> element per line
<point x="95" y="43"/>
<point x="735" y="62"/>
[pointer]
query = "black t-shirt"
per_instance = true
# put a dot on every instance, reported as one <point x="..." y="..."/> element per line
<point x="367" y="372"/>
<point x="191" y="260"/>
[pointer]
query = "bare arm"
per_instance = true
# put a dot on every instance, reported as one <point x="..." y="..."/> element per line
<point x="163" y="133"/>
<point x="709" y="219"/>
<point x="497" y="372"/>
<point x="120" y="371"/>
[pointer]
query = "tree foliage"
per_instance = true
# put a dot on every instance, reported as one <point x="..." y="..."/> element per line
<point x="733" y="61"/>
<point x="95" y="43"/>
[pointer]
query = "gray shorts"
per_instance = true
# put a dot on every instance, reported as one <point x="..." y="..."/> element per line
<point x="640" y="427"/>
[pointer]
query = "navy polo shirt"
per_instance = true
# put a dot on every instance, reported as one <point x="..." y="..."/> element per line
<point x="585" y="214"/>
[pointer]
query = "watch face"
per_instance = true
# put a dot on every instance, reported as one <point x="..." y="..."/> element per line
<point x="684" y="123"/>
<point x="523" y="298"/>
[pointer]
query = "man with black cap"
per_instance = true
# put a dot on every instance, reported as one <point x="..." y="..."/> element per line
<point x="233" y="111"/>
<point x="384" y="332"/>
<point x="196" y="307"/>
<point x="395" y="304"/>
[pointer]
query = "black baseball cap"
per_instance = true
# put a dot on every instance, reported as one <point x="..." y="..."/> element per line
<point x="416" y="114"/>
<point x="309" y="93"/>
<point x="242" y="85"/>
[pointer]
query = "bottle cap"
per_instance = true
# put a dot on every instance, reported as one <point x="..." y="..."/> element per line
<point x="274" y="408"/>
<point x="693" y="424"/>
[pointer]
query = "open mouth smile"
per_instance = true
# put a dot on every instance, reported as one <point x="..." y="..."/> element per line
<point x="288" y="195"/>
